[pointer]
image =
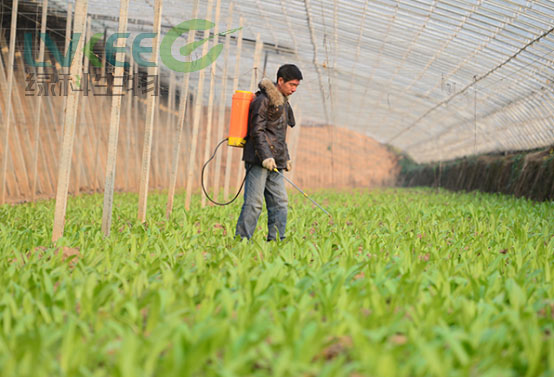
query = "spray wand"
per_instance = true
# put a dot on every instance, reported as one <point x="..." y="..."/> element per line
<point x="301" y="191"/>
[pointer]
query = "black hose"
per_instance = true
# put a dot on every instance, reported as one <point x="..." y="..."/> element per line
<point x="202" y="179"/>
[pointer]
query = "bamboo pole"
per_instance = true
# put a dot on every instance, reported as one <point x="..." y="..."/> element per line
<point x="65" y="69"/>
<point x="7" y="118"/>
<point x="128" y="126"/>
<point x="255" y="69"/>
<point x="83" y="153"/>
<point x="82" y="127"/>
<point x="38" y="102"/>
<point x="104" y="61"/>
<point x="115" y="118"/>
<point x="137" y="128"/>
<point x="170" y="127"/>
<point x="150" y="112"/>
<point x="197" y="115"/>
<point x="96" y="129"/>
<point x="210" y="113"/>
<point x="69" y="126"/>
<point x="222" y="102"/>
<point x="253" y="83"/>
<point x="156" y="140"/>
<point x="236" y="78"/>
<point x="180" y="122"/>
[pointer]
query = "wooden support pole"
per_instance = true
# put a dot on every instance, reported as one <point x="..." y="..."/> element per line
<point x="137" y="128"/>
<point x="236" y="78"/>
<point x="65" y="69"/>
<point x="150" y="112"/>
<point x="8" y="115"/>
<point x="207" y="144"/>
<point x="128" y="126"/>
<point x="170" y="125"/>
<point x="254" y="79"/>
<point x="156" y="140"/>
<point x="97" y="122"/>
<point x="38" y="102"/>
<point x="180" y="122"/>
<point x="82" y="126"/>
<point x="114" y="120"/>
<point x="104" y="61"/>
<point x="197" y="115"/>
<point x="256" y="73"/>
<point x="222" y="102"/>
<point x="69" y="125"/>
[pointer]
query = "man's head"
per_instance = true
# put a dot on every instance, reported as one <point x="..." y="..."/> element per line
<point x="288" y="79"/>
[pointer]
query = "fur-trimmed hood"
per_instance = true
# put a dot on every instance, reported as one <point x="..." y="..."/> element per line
<point x="276" y="98"/>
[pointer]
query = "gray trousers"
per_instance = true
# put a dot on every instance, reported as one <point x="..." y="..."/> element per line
<point x="261" y="183"/>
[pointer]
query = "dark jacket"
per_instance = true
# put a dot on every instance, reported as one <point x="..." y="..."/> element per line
<point x="268" y="117"/>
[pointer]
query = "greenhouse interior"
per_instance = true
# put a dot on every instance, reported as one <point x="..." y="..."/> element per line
<point x="277" y="188"/>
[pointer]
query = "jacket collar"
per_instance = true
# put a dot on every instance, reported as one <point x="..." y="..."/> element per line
<point x="275" y="96"/>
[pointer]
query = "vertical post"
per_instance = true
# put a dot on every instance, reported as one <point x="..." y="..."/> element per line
<point x="98" y="140"/>
<point x="38" y="102"/>
<point x="197" y="116"/>
<point x="154" y="167"/>
<point x="222" y="103"/>
<point x="211" y="99"/>
<point x="137" y="128"/>
<point x="150" y="112"/>
<point x="82" y="128"/>
<point x="65" y="68"/>
<point x="170" y="126"/>
<point x="128" y="127"/>
<point x="158" y="139"/>
<point x="114" y="120"/>
<point x="8" y="115"/>
<point x="236" y="78"/>
<point x="69" y="126"/>
<point x="253" y="82"/>
<point x="180" y="122"/>
<point x="257" y="55"/>
<point x="103" y="69"/>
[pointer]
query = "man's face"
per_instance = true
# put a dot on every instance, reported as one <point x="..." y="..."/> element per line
<point x="287" y="87"/>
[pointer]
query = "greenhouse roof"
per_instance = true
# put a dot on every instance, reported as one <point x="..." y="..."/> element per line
<point x="436" y="79"/>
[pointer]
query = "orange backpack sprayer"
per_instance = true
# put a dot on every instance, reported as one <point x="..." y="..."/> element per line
<point x="238" y="130"/>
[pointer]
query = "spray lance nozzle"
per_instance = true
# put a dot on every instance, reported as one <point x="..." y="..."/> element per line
<point x="301" y="191"/>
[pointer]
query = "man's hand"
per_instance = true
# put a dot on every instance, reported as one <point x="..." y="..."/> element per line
<point x="289" y="166"/>
<point x="269" y="164"/>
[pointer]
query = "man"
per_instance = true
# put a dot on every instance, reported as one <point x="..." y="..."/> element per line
<point x="266" y="150"/>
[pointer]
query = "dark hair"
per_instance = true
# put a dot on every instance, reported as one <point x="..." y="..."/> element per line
<point x="289" y="72"/>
